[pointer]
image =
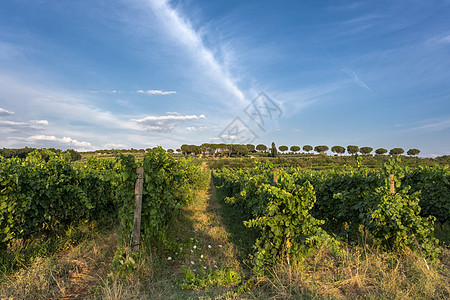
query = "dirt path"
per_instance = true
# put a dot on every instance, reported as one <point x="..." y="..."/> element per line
<point x="205" y="250"/>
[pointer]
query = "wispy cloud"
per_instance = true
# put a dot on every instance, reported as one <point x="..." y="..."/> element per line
<point x="352" y="74"/>
<point x="4" y="112"/>
<point x="436" y="125"/>
<point x="165" y="123"/>
<point x="363" y="19"/>
<point x="156" y="92"/>
<point x="439" y="40"/>
<point x="179" y="28"/>
<point x="19" y="127"/>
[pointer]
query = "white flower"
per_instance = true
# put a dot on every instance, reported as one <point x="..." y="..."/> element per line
<point x="169" y="258"/>
<point x="201" y="256"/>
<point x="220" y="246"/>
<point x="195" y="247"/>
<point x="209" y="246"/>
<point x="192" y="262"/>
<point x="204" y="268"/>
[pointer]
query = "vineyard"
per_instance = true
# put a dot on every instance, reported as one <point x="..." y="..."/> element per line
<point x="285" y="214"/>
<point x="297" y="210"/>
<point x="44" y="193"/>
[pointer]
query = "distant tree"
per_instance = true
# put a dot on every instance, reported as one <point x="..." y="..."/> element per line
<point x="283" y="148"/>
<point x="307" y="148"/>
<point x="321" y="149"/>
<point x="381" y="151"/>
<point x="365" y="150"/>
<point x="240" y="150"/>
<point x="222" y="148"/>
<point x="205" y="147"/>
<point x="229" y="149"/>
<point x="261" y="148"/>
<point x="273" y="150"/>
<point x="396" y="151"/>
<point x="212" y="149"/>
<point x="185" y="148"/>
<point x="250" y="147"/>
<point x="74" y="155"/>
<point x="352" y="149"/>
<point x="295" y="148"/>
<point x="170" y="151"/>
<point x="413" y="152"/>
<point x="338" y="149"/>
<point x="178" y="150"/>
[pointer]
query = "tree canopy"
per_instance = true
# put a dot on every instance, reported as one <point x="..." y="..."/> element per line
<point x="295" y="148"/>
<point x="365" y="150"/>
<point x="321" y="149"/>
<point x="351" y="149"/>
<point x="307" y="148"/>
<point x="381" y="151"/>
<point x="338" y="149"/>
<point x="413" y="151"/>
<point x="396" y="151"/>
<point x="283" y="148"/>
<point x="261" y="147"/>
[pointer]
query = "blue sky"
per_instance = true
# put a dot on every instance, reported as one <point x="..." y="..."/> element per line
<point x="141" y="73"/>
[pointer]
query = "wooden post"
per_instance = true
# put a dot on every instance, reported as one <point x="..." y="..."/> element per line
<point x="138" y="187"/>
<point x="275" y="176"/>
<point x="392" y="183"/>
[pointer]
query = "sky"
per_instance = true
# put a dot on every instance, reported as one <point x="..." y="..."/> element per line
<point x="105" y="74"/>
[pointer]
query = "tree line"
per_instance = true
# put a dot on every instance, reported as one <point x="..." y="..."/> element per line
<point x="241" y="149"/>
<point x="23" y="152"/>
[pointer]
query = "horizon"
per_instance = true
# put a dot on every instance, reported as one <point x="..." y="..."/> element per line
<point x="145" y="73"/>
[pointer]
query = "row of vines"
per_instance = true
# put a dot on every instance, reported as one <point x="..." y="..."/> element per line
<point x="300" y="209"/>
<point x="45" y="192"/>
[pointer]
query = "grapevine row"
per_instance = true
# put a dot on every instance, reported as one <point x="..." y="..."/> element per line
<point x="304" y="208"/>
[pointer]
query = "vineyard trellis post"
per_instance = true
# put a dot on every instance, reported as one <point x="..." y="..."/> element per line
<point x="392" y="183"/>
<point x="138" y="187"/>
<point x="275" y="176"/>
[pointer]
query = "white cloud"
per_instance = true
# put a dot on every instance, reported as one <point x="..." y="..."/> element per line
<point x="65" y="141"/>
<point x="165" y="123"/>
<point x="193" y="128"/>
<point x="39" y="122"/>
<point x="115" y="146"/>
<point x="4" y="112"/>
<point x="173" y="113"/>
<point x="169" y="118"/>
<point x="156" y="92"/>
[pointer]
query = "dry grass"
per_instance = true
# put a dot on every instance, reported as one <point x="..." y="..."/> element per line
<point x="359" y="274"/>
<point x="68" y="275"/>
